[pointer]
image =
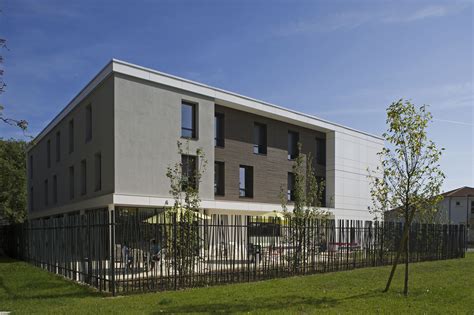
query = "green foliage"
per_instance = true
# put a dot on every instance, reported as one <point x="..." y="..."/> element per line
<point x="183" y="236"/>
<point x="308" y="193"/>
<point x="13" y="200"/>
<point x="409" y="177"/>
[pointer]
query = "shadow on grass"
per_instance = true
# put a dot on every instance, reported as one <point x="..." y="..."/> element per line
<point x="43" y="291"/>
<point x="267" y="304"/>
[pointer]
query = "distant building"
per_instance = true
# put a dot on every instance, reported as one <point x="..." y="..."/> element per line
<point x="457" y="207"/>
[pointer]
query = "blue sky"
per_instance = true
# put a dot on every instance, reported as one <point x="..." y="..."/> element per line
<point x="344" y="61"/>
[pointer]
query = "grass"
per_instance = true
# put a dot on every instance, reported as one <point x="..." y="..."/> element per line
<point x="435" y="288"/>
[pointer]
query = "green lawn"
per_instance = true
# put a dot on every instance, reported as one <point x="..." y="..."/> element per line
<point x="436" y="287"/>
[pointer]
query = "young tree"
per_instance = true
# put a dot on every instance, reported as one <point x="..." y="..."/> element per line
<point x="307" y="202"/>
<point x="12" y="180"/>
<point x="182" y="235"/>
<point x="409" y="177"/>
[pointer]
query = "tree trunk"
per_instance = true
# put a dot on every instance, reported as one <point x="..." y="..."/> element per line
<point x="395" y="262"/>
<point x="406" y="230"/>
<point x="407" y="261"/>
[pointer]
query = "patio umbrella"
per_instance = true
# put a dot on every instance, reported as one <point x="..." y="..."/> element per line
<point x="160" y="218"/>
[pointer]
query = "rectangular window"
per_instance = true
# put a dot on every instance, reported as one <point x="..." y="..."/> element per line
<point x="58" y="146"/>
<point x="48" y="153"/>
<point x="293" y="139"/>
<point x="219" y="178"/>
<point x="291" y="187"/>
<point x="71" y="136"/>
<point x="98" y="171"/>
<point x="219" y="130"/>
<point x="188" y="120"/>
<point x="71" y="182"/>
<point x="188" y="171"/>
<point x="55" y="189"/>
<point x="88" y="122"/>
<point x="83" y="177"/>
<point x="259" y="138"/>
<point x="472" y="207"/>
<point x="321" y="151"/>
<point x="31" y="166"/>
<point x="246" y="181"/>
<point x="46" y="192"/>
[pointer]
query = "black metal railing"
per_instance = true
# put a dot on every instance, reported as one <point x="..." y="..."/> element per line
<point x="136" y="250"/>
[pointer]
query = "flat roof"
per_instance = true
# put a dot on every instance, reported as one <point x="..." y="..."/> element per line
<point x="222" y="97"/>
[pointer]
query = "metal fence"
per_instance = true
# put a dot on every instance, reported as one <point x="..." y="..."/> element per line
<point x="136" y="250"/>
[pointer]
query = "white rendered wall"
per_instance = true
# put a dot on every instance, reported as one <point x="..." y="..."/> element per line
<point x="350" y="155"/>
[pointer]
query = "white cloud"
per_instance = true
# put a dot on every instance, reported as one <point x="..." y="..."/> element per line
<point x="353" y="19"/>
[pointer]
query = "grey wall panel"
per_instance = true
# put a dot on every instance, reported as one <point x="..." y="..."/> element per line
<point x="102" y="102"/>
<point x="147" y="128"/>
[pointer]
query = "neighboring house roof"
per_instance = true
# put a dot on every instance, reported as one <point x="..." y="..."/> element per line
<point x="460" y="192"/>
<point x="225" y="97"/>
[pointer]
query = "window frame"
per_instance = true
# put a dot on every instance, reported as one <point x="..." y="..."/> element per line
<point x="193" y="129"/>
<point x="320" y="146"/>
<point x="219" y="183"/>
<point x="88" y="123"/>
<point x="248" y="182"/>
<point x="260" y="149"/>
<point x="290" y="191"/>
<point x="294" y="156"/>
<point x="219" y="134"/>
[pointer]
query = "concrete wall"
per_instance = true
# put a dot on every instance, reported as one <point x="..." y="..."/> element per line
<point x="147" y="128"/>
<point x="349" y="156"/>
<point x="102" y="101"/>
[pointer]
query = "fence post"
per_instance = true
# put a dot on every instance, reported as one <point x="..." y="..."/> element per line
<point x="112" y="249"/>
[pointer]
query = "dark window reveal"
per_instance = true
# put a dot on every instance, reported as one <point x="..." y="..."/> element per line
<point x="219" y="130"/>
<point x="259" y="138"/>
<point x="188" y="120"/>
<point x="219" y="178"/>
<point x="293" y="139"/>
<point x="291" y="187"/>
<point x="246" y="181"/>
<point x="321" y="151"/>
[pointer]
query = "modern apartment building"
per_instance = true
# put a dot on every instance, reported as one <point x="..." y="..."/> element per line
<point x="111" y="145"/>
